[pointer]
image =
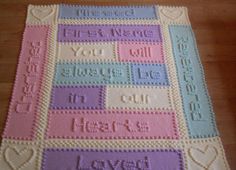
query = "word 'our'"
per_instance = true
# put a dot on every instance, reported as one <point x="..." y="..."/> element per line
<point x="137" y="99"/>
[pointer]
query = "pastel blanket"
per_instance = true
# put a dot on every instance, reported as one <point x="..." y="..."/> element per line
<point x="110" y="88"/>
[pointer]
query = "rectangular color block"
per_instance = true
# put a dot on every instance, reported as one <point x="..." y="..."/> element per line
<point x="149" y="74"/>
<point x="77" y="97"/>
<point x="108" y="12"/>
<point x="85" y="51"/>
<point x="92" y="73"/>
<point x="140" y="52"/>
<point x="113" y="124"/>
<point x="129" y="97"/>
<point x="196" y="103"/>
<point x="24" y="104"/>
<point x="96" y="33"/>
<point x="75" y="159"/>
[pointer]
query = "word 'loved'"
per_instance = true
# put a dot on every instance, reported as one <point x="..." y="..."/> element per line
<point x="126" y="164"/>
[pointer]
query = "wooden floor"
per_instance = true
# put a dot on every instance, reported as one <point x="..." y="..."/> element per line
<point x="214" y="23"/>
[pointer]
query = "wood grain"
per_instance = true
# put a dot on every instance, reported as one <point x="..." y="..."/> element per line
<point x="213" y="21"/>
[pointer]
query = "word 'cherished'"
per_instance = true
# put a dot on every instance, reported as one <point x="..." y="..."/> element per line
<point x="112" y="12"/>
<point x="112" y="124"/>
<point x="75" y="159"/>
<point x="24" y="102"/>
<point x="83" y="33"/>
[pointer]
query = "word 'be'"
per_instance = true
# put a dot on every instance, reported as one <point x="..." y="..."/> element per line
<point x="148" y="74"/>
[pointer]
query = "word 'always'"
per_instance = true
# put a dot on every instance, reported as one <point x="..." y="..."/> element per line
<point x="106" y="73"/>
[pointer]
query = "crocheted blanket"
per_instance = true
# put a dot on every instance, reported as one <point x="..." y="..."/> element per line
<point x="110" y="88"/>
